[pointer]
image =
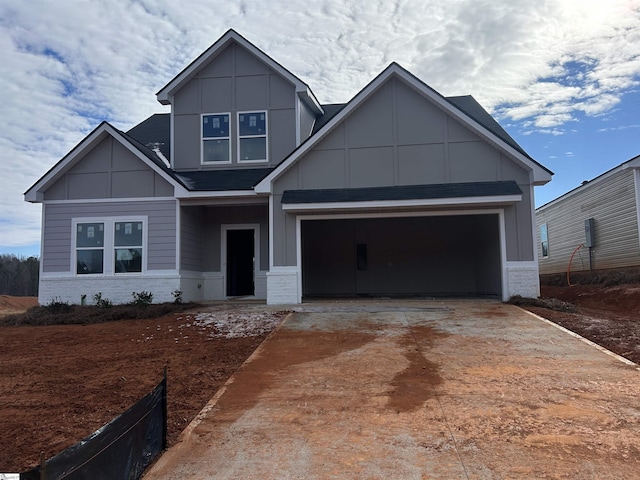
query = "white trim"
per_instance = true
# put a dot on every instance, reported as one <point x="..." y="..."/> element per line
<point x="172" y="145"/>
<point x="224" y="228"/>
<point x="298" y="114"/>
<point x="241" y="137"/>
<point x="340" y="216"/>
<point x="108" y="248"/>
<point x="178" y="236"/>
<point x="271" y="240"/>
<point x="540" y="175"/>
<point x="385" y="204"/>
<point x="110" y="200"/>
<point x="203" y="138"/>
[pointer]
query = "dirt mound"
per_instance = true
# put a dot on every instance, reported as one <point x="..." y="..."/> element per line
<point x="9" y="304"/>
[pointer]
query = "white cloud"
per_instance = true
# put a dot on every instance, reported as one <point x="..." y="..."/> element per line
<point x="68" y="65"/>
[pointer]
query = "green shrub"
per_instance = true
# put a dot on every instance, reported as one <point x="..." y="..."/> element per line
<point x="142" y="299"/>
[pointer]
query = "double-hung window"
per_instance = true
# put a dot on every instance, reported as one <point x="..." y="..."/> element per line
<point x="89" y="248"/>
<point x="128" y="247"/>
<point x="252" y="136"/>
<point x="216" y="145"/>
<point x="106" y="246"/>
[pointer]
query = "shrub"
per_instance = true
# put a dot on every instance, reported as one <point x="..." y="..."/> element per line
<point x="102" y="302"/>
<point x="56" y="306"/>
<point x="142" y="299"/>
<point x="177" y="296"/>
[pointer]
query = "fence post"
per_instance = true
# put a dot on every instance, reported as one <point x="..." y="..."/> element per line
<point x="164" y="410"/>
<point x="42" y="465"/>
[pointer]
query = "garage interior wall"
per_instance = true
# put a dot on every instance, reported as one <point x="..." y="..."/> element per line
<point x="430" y="255"/>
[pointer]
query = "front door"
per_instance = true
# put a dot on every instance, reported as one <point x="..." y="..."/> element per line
<point x="240" y="262"/>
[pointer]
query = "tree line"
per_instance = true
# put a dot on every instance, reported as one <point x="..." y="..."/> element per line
<point x="19" y="276"/>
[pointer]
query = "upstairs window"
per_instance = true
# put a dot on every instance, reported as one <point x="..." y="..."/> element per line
<point x="544" y="240"/>
<point x="216" y="147"/>
<point x="252" y="137"/>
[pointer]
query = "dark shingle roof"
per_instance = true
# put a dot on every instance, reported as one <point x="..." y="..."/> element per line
<point x="154" y="131"/>
<point x="471" y="107"/>
<point x="330" y="111"/>
<point x="408" y="192"/>
<point x="221" y="180"/>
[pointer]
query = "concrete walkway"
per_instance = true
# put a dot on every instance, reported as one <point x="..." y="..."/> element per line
<point x="420" y="389"/>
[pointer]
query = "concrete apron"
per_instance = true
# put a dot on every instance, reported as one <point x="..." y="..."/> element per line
<point x="428" y="389"/>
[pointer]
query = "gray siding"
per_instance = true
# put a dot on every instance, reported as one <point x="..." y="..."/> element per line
<point x="397" y="137"/>
<point x="234" y="81"/>
<point x="57" y="242"/>
<point x="109" y="171"/>
<point x="191" y="238"/>
<point x="612" y="203"/>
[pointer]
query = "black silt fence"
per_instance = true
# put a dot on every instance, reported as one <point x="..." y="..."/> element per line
<point x="121" y="449"/>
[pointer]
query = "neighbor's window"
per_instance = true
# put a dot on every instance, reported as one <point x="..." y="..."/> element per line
<point x="128" y="247"/>
<point x="216" y="146"/>
<point x="89" y="248"/>
<point x="544" y="240"/>
<point x="252" y="136"/>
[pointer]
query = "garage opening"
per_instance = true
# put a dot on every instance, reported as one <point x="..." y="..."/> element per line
<point x="456" y="255"/>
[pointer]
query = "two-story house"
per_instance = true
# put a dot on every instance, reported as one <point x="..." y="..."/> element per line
<point x="251" y="187"/>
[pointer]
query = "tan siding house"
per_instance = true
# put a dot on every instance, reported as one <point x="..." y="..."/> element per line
<point x="612" y="201"/>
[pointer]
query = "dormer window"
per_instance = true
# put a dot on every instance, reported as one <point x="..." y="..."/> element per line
<point x="216" y="145"/>
<point x="252" y="136"/>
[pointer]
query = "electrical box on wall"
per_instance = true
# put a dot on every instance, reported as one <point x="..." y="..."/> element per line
<point x="589" y="233"/>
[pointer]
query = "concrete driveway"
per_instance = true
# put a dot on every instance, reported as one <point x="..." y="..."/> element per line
<point x="417" y="389"/>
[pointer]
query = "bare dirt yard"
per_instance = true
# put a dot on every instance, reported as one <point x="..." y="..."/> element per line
<point x="60" y="383"/>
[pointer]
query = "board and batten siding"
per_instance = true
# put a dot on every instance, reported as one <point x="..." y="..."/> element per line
<point x="612" y="203"/>
<point x="398" y="137"/>
<point x="58" y="241"/>
<point x="235" y="81"/>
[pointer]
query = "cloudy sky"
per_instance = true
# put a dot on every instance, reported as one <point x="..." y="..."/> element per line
<point x="562" y="76"/>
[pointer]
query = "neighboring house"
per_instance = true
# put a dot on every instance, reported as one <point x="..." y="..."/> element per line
<point x="250" y="187"/>
<point x="602" y="215"/>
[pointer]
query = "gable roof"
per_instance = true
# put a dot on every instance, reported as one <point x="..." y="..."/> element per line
<point x="477" y="122"/>
<point x="631" y="163"/>
<point x="36" y="192"/>
<point x="231" y="36"/>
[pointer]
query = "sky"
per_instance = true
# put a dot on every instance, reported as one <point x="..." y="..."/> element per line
<point x="561" y="76"/>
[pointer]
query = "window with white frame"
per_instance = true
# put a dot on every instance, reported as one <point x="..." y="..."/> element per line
<point x="89" y="248"/>
<point x="252" y="136"/>
<point x="216" y="145"/>
<point x="109" y="246"/>
<point x="544" y="240"/>
<point x="128" y="247"/>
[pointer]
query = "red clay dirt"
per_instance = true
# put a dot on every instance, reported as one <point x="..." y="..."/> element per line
<point x="61" y="383"/>
<point x="608" y="316"/>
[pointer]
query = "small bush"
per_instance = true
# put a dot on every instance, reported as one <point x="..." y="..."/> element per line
<point x="102" y="302"/>
<point x="56" y="306"/>
<point x="177" y="296"/>
<point x="142" y="299"/>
